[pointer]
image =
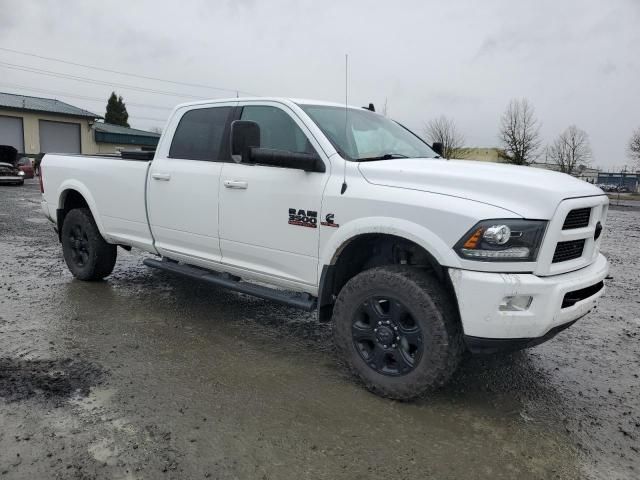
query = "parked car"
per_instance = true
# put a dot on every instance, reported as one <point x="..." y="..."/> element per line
<point x="10" y="174"/>
<point x="414" y="258"/>
<point x="609" y="187"/>
<point x="24" y="164"/>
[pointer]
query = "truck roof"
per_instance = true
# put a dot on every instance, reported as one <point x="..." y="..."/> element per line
<point x="298" y="101"/>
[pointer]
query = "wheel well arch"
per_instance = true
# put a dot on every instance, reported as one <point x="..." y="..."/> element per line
<point x="69" y="199"/>
<point x="365" y="251"/>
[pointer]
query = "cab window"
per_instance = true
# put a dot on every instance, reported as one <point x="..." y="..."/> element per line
<point x="277" y="129"/>
<point x="199" y="134"/>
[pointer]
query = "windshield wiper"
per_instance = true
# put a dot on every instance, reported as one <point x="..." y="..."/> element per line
<point x="386" y="156"/>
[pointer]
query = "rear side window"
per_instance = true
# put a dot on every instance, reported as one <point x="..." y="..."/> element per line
<point x="199" y="134"/>
<point x="277" y="129"/>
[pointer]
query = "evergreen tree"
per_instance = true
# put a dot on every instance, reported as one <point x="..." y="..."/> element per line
<point x="116" y="111"/>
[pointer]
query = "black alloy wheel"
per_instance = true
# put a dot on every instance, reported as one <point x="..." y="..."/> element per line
<point x="79" y="245"/>
<point x="87" y="254"/>
<point x="386" y="336"/>
<point x="398" y="330"/>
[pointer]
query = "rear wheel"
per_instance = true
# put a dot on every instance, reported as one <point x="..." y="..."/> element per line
<point x="398" y="330"/>
<point x="86" y="253"/>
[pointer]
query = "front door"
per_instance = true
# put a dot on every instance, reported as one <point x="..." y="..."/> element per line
<point x="269" y="216"/>
<point x="183" y="186"/>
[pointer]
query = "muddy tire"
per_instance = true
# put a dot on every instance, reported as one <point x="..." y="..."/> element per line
<point x="398" y="330"/>
<point x="86" y="253"/>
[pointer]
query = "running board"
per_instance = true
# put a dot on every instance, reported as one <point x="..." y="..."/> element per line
<point x="293" y="299"/>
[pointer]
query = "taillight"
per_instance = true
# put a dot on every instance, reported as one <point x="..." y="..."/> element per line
<point x="40" y="180"/>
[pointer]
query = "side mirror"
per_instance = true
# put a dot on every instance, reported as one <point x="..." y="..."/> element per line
<point x="438" y="147"/>
<point x="281" y="158"/>
<point x="244" y="135"/>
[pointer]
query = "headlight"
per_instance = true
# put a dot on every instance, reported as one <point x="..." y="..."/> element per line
<point x="21" y="173"/>
<point x="507" y="240"/>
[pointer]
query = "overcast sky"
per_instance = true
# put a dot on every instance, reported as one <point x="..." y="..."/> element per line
<point x="578" y="62"/>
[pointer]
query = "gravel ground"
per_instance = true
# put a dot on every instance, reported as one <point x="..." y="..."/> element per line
<point x="148" y="375"/>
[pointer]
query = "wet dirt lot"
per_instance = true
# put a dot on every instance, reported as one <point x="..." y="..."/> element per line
<point x="149" y="375"/>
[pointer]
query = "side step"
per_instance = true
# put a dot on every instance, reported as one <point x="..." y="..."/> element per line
<point x="293" y="299"/>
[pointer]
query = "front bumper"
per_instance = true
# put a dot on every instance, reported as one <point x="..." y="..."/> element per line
<point x="479" y="296"/>
<point x="11" y="179"/>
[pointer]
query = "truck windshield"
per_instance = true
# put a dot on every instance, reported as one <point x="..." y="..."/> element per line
<point x="367" y="135"/>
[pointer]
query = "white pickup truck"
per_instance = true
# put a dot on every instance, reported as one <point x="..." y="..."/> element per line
<point x="414" y="258"/>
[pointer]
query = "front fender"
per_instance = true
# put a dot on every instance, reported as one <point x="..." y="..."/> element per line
<point x="408" y="230"/>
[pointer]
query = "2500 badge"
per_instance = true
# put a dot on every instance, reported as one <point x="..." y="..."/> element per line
<point x="303" y="218"/>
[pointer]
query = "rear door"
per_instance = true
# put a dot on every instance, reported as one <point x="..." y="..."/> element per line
<point x="183" y="185"/>
<point x="269" y="217"/>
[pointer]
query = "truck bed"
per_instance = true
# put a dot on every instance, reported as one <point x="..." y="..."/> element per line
<point x="113" y="186"/>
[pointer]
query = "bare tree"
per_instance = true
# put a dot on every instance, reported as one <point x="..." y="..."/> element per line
<point x="570" y="150"/>
<point x="634" y="146"/>
<point x="444" y="130"/>
<point x="520" y="133"/>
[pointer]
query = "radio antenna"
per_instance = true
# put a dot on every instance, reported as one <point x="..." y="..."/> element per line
<point x="346" y="117"/>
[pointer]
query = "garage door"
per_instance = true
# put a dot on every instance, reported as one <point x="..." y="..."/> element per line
<point x="59" y="137"/>
<point x="11" y="132"/>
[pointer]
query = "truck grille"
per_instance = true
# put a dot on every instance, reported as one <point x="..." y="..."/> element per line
<point x="571" y="241"/>
<point x="568" y="250"/>
<point x="578" y="218"/>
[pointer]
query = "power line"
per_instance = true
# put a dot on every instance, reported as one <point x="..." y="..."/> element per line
<point x="81" y="97"/>
<point x="93" y="100"/>
<point x="174" y="82"/>
<point x="94" y="81"/>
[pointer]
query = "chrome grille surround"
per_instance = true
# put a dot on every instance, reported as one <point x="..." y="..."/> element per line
<point x="557" y="237"/>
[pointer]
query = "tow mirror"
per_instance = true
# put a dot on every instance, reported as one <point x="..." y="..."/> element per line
<point x="438" y="147"/>
<point x="245" y="148"/>
<point x="309" y="162"/>
<point x="244" y="136"/>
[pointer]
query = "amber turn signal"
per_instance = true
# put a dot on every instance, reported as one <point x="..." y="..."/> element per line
<point x="473" y="240"/>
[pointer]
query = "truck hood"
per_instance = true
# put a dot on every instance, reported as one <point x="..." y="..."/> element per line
<point x="529" y="192"/>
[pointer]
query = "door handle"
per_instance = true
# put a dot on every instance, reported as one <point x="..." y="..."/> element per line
<point x="161" y="176"/>
<point x="237" y="184"/>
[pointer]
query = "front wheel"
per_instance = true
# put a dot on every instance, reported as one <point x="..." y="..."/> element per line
<point x="398" y="330"/>
<point x="86" y="253"/>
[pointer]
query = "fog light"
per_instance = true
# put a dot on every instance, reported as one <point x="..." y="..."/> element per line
<point x="516" y="303"/>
